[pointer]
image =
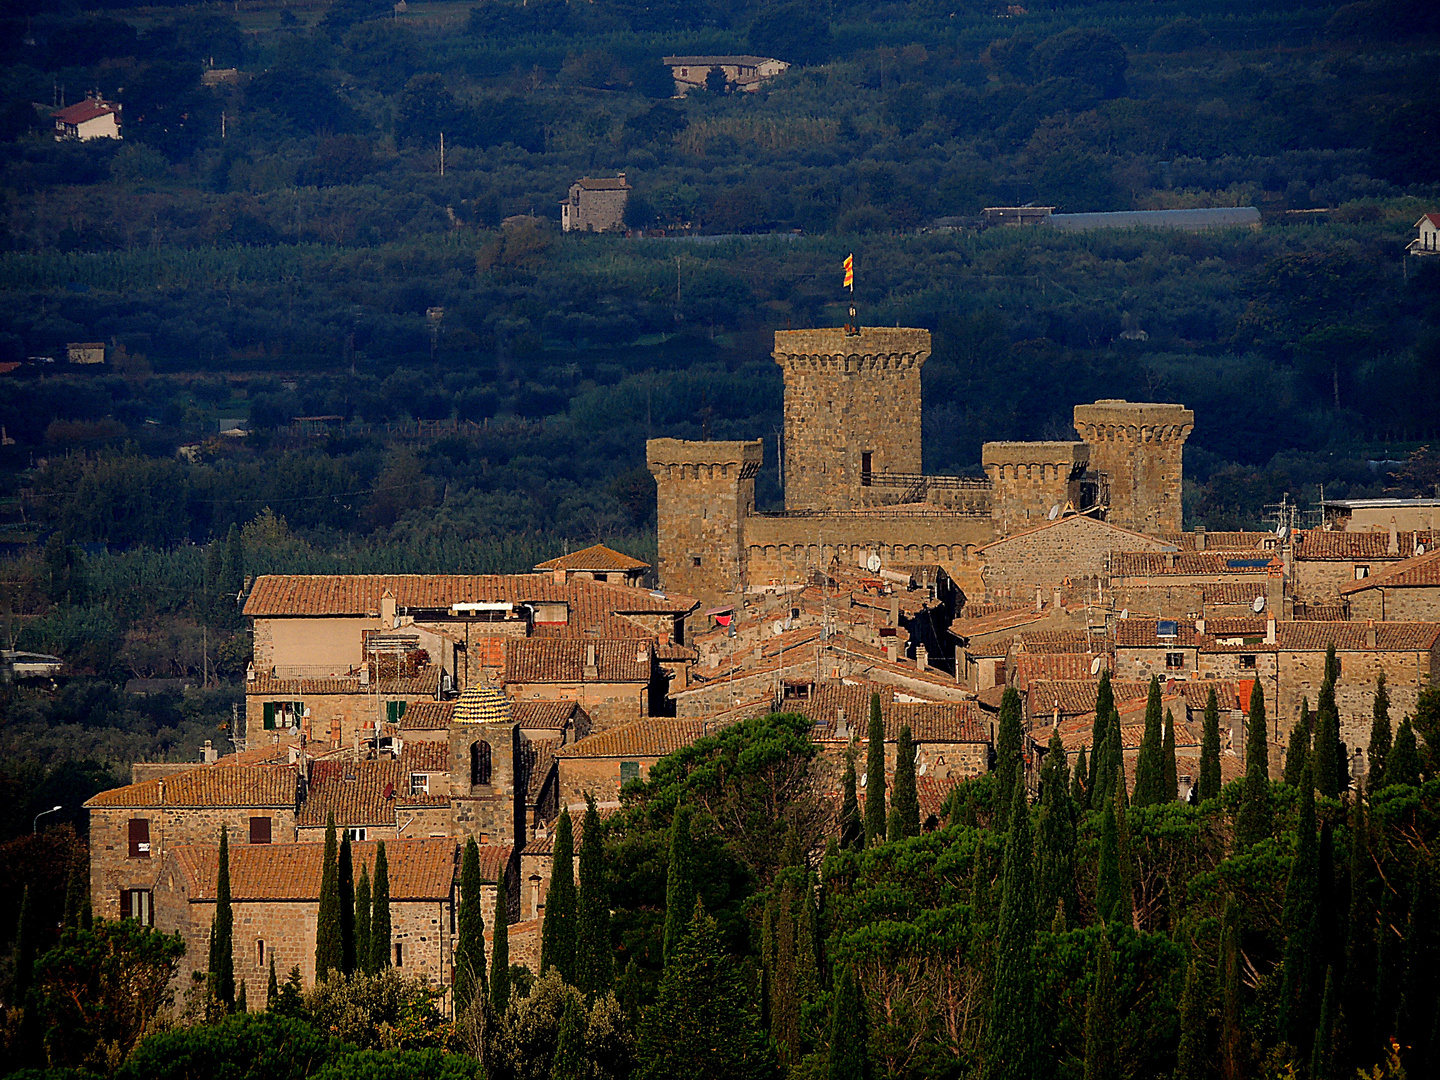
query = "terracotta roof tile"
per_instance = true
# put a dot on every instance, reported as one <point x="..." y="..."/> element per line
<point x="1321" y="612"/>
<point x="1191" y="563"/>
<point x="597" y="557"/>
<point x="1231" y="592"/>
<point x="419" y="869"/>
<point x="1076" y="697"/>
<point x="1352" y="636"/>
<point x="359" y="793"/>
<point x="1423" y="571"/>
<point x="544" y="715"/>
<point x="424" y="683"/>
<point x="932" y="794"/>
<point x="1221" y="541"/>
<point x="998" y="622"/>
<point x="425" y="757"/>
<point x="1220" y="634"/>
<point x="427" y="716"/>
<point x="1031" y="666"/>
<point x="532" y="660"/>
<point x="208" y="785"/>
<point x="84" y="111"/>
<point x="537" y="763"/>
<point x="944" y="721"/>
<point x="1316" y="544"/>
<point x="1059" y="641"/>
<point x="640" y="738"/>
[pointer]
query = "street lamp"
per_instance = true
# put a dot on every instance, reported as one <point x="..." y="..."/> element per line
<point x="35" y="827"/>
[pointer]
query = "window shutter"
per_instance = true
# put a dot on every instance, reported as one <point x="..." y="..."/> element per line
<point x="298" y="708"/>
<point x="269" y="716"/>
<point x="139" y="838"/>
<point x="260" y="830"/>
<point x="400" y="710"/>
<point x="125" y="912"/>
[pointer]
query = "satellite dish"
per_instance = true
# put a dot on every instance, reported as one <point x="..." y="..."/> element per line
<point x="1280" y="532"/>
<point x="923" y="766"/>
<point x="1125" y="614"/>
<point x="873" y="563"/>
<point x="1054" y="511"/>
<point x="863" y="778"/>
<point x="1258" y="605"/>
<point x="1095" y="666"/>
<point x="777" y="628"/>
<point x="1419" y="549"/>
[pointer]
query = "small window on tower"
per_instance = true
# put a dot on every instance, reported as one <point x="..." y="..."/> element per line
<point x="694" y="560"/>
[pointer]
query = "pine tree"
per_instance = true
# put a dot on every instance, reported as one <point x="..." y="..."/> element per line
<point x="1011" y="1029"/>
<point x="500" y="952"/>
<point x="1009" y="743"/>
<point x="1169" y="767"/>
<point x="1078" y="794"/>
<point x="1297" y="754"/>
<point x="557" y="934"/>
<point x="363" y="952"/>
<point x="380" y="955"/>
<point x="470" y="924"/>
<point x="1252" y="823"/>
<point x="1100" y="1053"/>
<point x="852" y="831"/>
<point x="1055" y="860"/>
<point x="1380" y="738"/>
<point x="594" y="958"/>
<point x="1210" y="750"/>
<point x="1191" y="1059"/>
<point x="1322" y="1053"/>
<point x="679" y="882"/>
<point x="1326" y="744"/>
<point x="1149" y="770"/>
<point x="849" y="1052"/>
<point x="329" y="944"/>
<point x="272" y="988"/>
<point x="875" y="776"/>
<point x="26" y="936"/>
<point x="1233" y="1058"/>
<point x="1294" y="1020"/>
<point x="904" y="801"/>
<point x="1403" y="764"/>
<point x="222" y="932"/>
<point x="571" y="1061"/>
<point x="346" y="873"/>
<point x="1358" y="990"/>
<point x="1099" y="728"/>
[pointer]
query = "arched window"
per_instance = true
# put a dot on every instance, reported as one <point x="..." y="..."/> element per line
<point x="480" y="763"/>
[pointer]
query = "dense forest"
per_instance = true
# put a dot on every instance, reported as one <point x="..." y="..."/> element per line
<point x="732" y="920"/>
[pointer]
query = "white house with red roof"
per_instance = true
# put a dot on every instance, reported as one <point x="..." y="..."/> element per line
<point x="93" y="118"/>
<point x="1428" y="240"/>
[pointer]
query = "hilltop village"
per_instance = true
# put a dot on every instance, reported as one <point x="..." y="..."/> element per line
<point x="425" y="710"/>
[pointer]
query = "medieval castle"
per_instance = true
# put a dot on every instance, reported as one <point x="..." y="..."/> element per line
<point x="855" y="485"/>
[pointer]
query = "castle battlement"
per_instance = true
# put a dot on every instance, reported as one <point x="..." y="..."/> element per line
<point x="1138" y="446"/>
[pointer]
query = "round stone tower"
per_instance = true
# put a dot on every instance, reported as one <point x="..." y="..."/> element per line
<point x="1136" y="446"/>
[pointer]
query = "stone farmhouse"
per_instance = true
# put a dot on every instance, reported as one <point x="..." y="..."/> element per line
<point x="742" y="73"/>
<point x="93" y="118"/>
<point x="595" y="205"/>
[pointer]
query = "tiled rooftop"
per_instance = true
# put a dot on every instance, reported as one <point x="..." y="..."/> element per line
<point x="427" y="716"/>
<point x="1422" y="571"/>
<point x="418" y="869"/>
<point x="640" y="738"/>
<point x="207" y="785"/>
<point x="1315" y="544"/>
<point x="597" y="558"/>
<point x="531" y="660"/>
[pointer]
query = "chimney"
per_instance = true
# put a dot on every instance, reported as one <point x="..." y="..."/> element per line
<point x="162" y="792"/>
<point x="1170" y="560"/>
<point x="1199" y="537"/>
<point x="1270" y="629"/>
<point x="1200" y="625"/>
<point x="892" y="652"/>
<point x="922" y="657"/>
<point x="1370" y="634"/>
<point x="591" y="670"/>
<point x="558" y="575"/>
<point x="365" y="674"/>
<point x="894" y="611"/>
<point x="387" y="610"/>
<point x="1057" y="599"/>
<point x="1274" y="594"/>
<point x="842" y="725"/>
<point x="1039" y="599"/>
<point x="1394" y="548"/>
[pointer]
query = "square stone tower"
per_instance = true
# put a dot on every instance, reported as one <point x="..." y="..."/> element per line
<point x="1029" y="479"/>
<point x="704" y="491"/>
<point x="1137" y="446"/>
<point x="852" y="410"/>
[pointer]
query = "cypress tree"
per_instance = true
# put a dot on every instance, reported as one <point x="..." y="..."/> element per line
<point x="1380" y="737"/>
<point x="679" y="882"/>
<point x="1191" y="1063"/>
<point x="1009" y="740"/>
<point x="1055" y="862"/>
<point x="852" y="832"/>
<point x="346" y="873"/>
<point x="26" y="934"/>
<point x="1169" y="767"/>
<point x="1415" y="1026"/>
<point x="1252" y="823"/>
<point x="233" y="575"/>
<point x="1210" y="749"/>
<point x="1109" y="765"/>
<point x="1104" y="706"/>
<point x="1112" y="888"/>
<point x="784" y="1001"/>
<point x="222" y="932"/>
<point x="557" y="934"/>
<point x="594" y="960"/>
<point x="272" y="987"/>
<point x="329" y="944"/>
<point x="470" y="924"/>
<point x="1100" y="1056"/>
<point x="1297" y="754"/>
<point x="1078" y="794"/>
<point x="500" y="952"/>
<point x="1403" y="764"/>
<point x="75" y="893"/>
<point x="1149" y="769"/>
<point x="1322" y="1053"/>
<point x="875" y="776"/>
<point x="904" y="801"/>
<point x="1011" y="1028"/>
<point x="1326" y="744"/>
<point x="241" y="1004"/>
<point x="1233" y="1058"/>
<point x="571" y="1061"/>
<point x="1294" y="1020"/>
<point x="849" y="1032"/>
<point x="380" y="955"/>
<point x="363" y="953"/>
<point x="807" y="956"/>
<point x="1357" y="1001"/>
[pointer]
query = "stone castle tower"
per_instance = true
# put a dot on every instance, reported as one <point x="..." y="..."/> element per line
<point x="704" y="492"/>
<point x="1136" y="447"/>
<point x="1030" y="480"/>
<point x="852" y="412"/>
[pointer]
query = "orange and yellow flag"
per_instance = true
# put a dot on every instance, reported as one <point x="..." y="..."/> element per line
<point x="850" y="272"/>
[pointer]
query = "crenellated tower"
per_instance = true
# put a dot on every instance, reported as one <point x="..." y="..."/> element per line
<point x="852" y="413"/>
<point x="1137" y="447"/>
<point x="1030" y="480"/>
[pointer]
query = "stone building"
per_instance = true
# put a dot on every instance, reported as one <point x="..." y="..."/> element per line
<point x="595" y="205"/>
<point x="742" y="72"/>
<point x="705" y="494"/>
<point x="601" y="765"/>
<point x="615" y="681"/>
<point x="1407" y="591"/>
<point x="1070" y="553"/>
<point x="1136" y="447"/>
<point x="1324" y="561"/>
<point x="1031" y="483"/>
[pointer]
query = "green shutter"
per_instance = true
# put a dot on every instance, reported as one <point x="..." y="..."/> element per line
<point x="269" y="715"/>
<point x="400" y="710"/>
<point x="629" y="770"/>
<point x="298" y="708"/>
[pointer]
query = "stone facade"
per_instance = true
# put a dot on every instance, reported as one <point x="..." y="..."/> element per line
<point x="1137" y="449"/>
<point x="1071" y="553"/>
<point x="487" y="801"/>
<point x="1030" y="481"/>
<point x="705" y="491"/>
<point x="595" y="205"/>
<point x="783" y="549"/>
<point x="852" y="411"/>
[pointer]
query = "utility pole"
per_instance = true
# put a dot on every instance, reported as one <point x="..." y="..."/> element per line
<point x="442" y="153"/>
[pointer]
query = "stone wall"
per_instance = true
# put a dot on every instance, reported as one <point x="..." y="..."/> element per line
<point x="1070" y="554"/>
<point x="493" y="812"/>
<point x="780" y="549"/>
<point x="609" y="704"/>
<point x="334" y="720"/>
<point x="848" y="395"/>
<point x="1411" y="604"/>
<point x="704" y="491"/>
<point x="599" y="777"/>
<point x="1138" y="448"/>
<point x="1028" y="480"/>
<point x="1406" y="674"/>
